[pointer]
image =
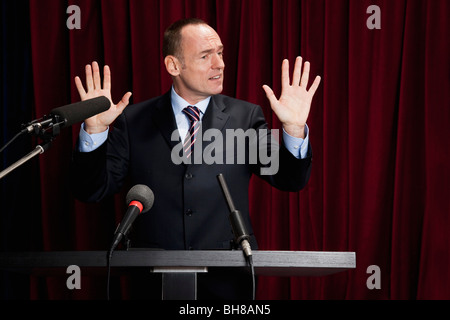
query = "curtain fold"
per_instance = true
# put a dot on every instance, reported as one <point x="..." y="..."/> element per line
<point x="434" y="241"/>
<point x="379" y="129"/>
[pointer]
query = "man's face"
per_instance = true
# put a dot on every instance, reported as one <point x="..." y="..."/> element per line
<point x="201" y="66"/>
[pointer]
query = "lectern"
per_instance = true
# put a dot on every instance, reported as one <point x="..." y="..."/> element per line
<point x="182" y="267"/>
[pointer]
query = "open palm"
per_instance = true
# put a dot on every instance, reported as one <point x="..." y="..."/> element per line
<point x="292" y="109"/>
<point x="100" y="122"/>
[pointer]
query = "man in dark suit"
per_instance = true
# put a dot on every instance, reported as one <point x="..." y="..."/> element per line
<point x="151" y="138"/>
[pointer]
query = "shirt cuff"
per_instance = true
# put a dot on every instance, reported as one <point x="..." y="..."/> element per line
<point x="90" y="142"/>
<point x="297" y="146"/>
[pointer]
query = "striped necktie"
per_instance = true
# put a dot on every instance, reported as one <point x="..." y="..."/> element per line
<point x="193" y="115"/>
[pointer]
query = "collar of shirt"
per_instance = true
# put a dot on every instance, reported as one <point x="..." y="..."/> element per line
<point x="178" y="104"/>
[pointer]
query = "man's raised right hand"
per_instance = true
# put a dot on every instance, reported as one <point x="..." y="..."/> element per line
<point x="100" y="122"/>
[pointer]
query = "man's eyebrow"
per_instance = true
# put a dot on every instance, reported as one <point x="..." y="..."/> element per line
<point x="212" y="50"/>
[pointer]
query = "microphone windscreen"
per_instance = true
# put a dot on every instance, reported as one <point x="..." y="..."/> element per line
<point x="80" y="111"/>
<point x="143" y="194"/>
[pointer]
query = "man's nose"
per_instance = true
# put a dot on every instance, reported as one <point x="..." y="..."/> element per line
<point x="218" y="62"/>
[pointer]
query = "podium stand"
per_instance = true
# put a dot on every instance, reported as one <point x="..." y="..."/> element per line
<point x="180" y="268"/>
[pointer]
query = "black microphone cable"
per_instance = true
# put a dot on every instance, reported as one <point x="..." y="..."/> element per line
<point x="252" y="268"/>
<point x="12" y="140"/>
<point x="108" y="277"/>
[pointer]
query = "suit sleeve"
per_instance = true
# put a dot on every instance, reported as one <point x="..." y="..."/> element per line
<point x="276" y="164"/>
<point x="97" y="174"/>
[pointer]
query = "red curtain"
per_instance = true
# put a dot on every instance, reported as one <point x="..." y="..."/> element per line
<point x="379" y="128"/>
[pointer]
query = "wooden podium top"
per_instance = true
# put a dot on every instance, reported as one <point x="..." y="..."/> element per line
<point x="273" y="263"/>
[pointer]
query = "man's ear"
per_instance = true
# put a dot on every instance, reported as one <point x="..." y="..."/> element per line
<point x="173" y="65"/>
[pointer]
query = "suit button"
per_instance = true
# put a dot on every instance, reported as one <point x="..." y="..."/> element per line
<point x="189" y="212"/>
<point x="188" y="176"/>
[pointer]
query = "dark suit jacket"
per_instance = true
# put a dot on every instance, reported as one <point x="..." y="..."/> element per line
<point x="189" y="210"/>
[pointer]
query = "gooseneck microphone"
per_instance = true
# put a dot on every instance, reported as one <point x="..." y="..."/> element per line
<point x="237" y="223"/>
<point x="70" y="114"/>
<point x="240" y="233"/>
<point x="139" y="199"/>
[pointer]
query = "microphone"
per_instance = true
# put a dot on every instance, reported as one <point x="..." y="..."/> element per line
<point x="70" y="114"/>
<point x="139" y="199"/>
<point x="237" y="223"/>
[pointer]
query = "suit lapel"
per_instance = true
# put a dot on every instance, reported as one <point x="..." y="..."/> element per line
<point x="164" y="119"/>
<point x="215" y="117"/>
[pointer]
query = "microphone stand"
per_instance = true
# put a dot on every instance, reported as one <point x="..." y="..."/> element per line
<point x="38" y="150"/>
<point x="47" y="138"/>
